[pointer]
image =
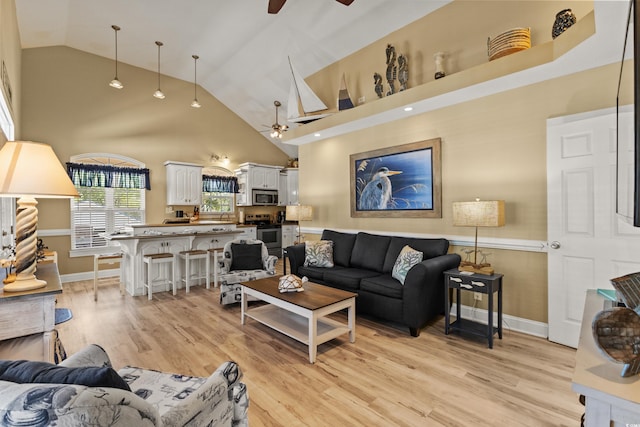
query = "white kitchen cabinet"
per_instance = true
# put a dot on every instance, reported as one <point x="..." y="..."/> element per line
<point x="265" y="178"/>
<point x="248" y="233"/>
<point x="255" y="176"/>
<point x="289" y="235"/>
<point x="184" y="183"/>
<point x="288" y="189"/>
<point x="243" y="197"/>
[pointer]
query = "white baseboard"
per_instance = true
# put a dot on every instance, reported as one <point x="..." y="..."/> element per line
<point x="509" y="323"/>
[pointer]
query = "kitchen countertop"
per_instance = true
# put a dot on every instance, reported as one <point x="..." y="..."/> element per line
<point x="186" y="224"/>
<point x="156" y="235"/>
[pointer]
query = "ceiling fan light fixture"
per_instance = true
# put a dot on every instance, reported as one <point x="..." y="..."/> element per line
<point x="278" y="129"/>
<point x="195" y="103"/>
<point x="115" y="83"/>
<point x="158" y="93"/>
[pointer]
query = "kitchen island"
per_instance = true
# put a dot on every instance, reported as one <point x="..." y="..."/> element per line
<point x="139" y="240"/>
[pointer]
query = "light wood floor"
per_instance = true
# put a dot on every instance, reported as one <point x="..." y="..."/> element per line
<point x="386" y="378"/>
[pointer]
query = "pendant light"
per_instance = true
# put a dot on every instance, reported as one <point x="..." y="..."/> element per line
<point x="195" y="103"/>
<point x="158" y="93"/>
<point x="115" y="82"/>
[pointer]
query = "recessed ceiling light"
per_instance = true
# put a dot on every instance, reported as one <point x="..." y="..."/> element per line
<point x="408" y="108"/>
<point x="316" y="134"/>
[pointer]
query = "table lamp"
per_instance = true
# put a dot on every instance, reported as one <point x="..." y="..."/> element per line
<point x="299" y="213"/>
<point x="29" y="170"/>
<point x="479" y="213"/>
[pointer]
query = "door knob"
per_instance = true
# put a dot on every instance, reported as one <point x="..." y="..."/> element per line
<point x="555" y="245"/>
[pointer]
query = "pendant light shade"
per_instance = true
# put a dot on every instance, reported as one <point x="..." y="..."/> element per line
<point x="195" y="103"/>
<point x="158" y="93"/>
<point x="115" y="83"/>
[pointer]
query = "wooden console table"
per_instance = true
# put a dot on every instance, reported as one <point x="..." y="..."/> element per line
<point x="609" y="398"/>
<point x="31" y="312"/>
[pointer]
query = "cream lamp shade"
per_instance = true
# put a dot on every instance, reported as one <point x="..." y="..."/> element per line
<point x="479" y="213"/>
<point x="299" y="213"/>
<point x="29" y="170"/>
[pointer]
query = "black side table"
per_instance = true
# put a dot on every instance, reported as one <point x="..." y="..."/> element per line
<point x="455" y="279"/>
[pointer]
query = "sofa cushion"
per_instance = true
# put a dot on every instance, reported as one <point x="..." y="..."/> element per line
<point x="246" y="256"/>
<point x="369" y="252"/>
<point x="406" y="260"/>
<point x="382" y="284"/>
<point x="314" y="273"/>
<point x="347" y="278"/>
<point x="342" y="246"/>
<point x="26" y="371"/>
<point x="430" y="248"/>
<point x="318" y="254"/>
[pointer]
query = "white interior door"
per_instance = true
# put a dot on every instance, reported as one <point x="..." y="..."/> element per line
<point x="588" y="243"/>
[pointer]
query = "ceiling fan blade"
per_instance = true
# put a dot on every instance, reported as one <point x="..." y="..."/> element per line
<point x="345" y="2"/>
<point x="275" y="6"/>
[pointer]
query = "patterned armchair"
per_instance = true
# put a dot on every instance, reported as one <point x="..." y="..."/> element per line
<point x="156" y="398"/>
<point x="242" y="260"/>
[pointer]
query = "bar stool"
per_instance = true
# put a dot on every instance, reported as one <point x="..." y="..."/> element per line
<point x="213" y="254"/>
<point x="190" y="257"/>
<point x="160" y="259"/>
<point x="100" y="259"/>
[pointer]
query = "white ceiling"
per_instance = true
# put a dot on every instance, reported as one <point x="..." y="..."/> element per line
<point x="243" y="50"/>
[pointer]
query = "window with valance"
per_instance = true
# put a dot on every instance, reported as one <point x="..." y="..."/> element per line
<point x="219" y="184"/>
<point x="112" y="196"/>
<point x="97" y="175"/>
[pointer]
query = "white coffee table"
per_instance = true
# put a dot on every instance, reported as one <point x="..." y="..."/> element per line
<point x="301" y="315"/>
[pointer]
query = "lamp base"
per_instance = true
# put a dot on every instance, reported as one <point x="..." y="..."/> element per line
<point x="485" y="268"/>
<point x="21" y="285"/>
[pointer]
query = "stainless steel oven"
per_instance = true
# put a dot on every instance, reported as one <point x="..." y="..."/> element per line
<point x="271" y="235"/>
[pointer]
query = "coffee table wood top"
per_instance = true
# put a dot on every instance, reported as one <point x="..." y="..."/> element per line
<point x="313" y="297"/>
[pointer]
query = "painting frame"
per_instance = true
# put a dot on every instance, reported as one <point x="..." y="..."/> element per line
<point x="423" y="188"/>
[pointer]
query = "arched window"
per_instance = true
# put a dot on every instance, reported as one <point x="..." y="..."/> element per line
<point x="111" y="189"/>
<point x="218" y="189"/>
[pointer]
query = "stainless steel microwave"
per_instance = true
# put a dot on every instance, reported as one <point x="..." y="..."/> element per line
<point x="264" y="197"/>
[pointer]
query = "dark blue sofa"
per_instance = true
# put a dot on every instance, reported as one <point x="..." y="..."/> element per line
<point x="363" y="263"/>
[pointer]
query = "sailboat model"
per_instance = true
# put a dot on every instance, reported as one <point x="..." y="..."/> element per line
<point x="302" y="101"/>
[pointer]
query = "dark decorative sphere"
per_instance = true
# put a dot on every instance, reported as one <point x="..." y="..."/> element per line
<point x="564" y="19"/>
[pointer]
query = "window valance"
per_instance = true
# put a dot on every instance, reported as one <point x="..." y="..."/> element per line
<point x="93" y="175"/>
<point x="220" y="184"/>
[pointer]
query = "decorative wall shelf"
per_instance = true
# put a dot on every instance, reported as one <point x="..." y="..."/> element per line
<point x="539" y="63"/>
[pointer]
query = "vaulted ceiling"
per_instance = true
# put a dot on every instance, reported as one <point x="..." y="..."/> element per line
<point x="243" y="50"/>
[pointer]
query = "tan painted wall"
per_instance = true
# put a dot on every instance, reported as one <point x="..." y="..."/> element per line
<point x="68" y="104"/>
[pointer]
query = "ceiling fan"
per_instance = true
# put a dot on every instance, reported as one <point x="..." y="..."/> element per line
<point x="276" y="5"/>
<point x="277" y="129"/>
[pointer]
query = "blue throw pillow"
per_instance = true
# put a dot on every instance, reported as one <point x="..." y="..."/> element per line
<point x="26" y="371"/>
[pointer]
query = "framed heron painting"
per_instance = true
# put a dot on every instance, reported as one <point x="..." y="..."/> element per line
<point x="397" y="182"/>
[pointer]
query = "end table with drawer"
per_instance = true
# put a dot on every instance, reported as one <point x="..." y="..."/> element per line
<point x="489" y="285"/>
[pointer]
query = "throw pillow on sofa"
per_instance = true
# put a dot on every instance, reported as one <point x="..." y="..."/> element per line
<point x="26" y="371"/>
<point x="318" y="253"/>
<point x="407" y="258"/>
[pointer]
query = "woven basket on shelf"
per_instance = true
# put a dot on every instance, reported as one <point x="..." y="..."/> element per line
<point x="509" y="42"/>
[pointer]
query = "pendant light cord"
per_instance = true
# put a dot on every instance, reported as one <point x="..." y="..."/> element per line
<point x="159" y="44"/>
